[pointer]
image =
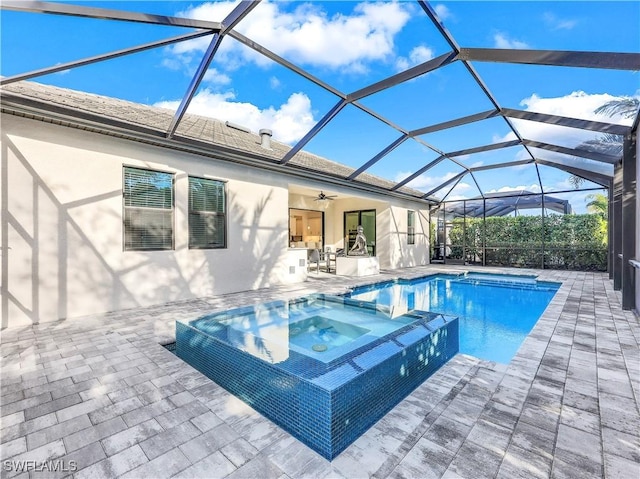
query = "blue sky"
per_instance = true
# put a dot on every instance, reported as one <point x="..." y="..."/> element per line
<point x="350" y="45"/>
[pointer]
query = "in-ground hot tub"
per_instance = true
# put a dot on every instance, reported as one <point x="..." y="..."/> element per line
<point x="324" y="368"/>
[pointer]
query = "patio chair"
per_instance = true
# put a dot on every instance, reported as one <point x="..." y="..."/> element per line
<point x="330" y="256"/>
<point x="316" y="258"/>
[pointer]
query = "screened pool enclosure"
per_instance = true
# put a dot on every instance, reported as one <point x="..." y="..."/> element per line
<point x="529" y="230"/>
<point x="470" y="125"/>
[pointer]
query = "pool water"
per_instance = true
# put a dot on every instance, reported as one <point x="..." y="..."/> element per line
<point x="496" y="312"/>
<point x="321" y="334"/>
<point x="334" y="325"/>
<point x="324" y="368"/>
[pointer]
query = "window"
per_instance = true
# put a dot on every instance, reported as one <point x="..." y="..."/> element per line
<point x="306" y="229"/>
<point x="366" y="219"/>
<point x="148" y="210"/>
<point x="207" y="214"/>
<point x="411" y="227"/>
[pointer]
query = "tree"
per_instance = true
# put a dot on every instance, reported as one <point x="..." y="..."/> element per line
<point x="576" y="181"/>
<point x="627" y="107"/>
<point x="608" y="143"/>
<point x="599" y="204"/>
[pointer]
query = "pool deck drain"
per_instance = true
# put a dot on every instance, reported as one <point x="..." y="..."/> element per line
<point x="100" y="391"/>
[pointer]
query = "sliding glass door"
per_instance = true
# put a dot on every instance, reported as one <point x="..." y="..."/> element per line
<point x="366" y="219"/>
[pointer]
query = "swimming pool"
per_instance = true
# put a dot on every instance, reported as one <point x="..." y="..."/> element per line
<point x="496" y="312"/>
<point x="324" y="368"/>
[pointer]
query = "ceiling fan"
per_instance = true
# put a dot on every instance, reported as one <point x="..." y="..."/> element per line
<point x="323" y="197"/>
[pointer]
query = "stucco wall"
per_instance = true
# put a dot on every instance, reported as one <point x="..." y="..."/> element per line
<point x="62" y="230"/>
<point x="62" y="227"/>
<point x="401" y="254"/>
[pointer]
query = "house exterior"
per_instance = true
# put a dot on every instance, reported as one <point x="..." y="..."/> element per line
<point x="101" y="212"/>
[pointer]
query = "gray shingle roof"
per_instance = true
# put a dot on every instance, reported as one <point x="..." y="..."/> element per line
<point x="200" y="128"/>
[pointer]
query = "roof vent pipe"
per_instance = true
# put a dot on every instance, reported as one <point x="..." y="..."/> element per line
<point x="265" y="138"/>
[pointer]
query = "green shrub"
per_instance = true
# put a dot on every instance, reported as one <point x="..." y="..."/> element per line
<point x="575" y="242"/>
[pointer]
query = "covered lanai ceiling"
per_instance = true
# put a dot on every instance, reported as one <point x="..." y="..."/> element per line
<point x="436" y="102"/>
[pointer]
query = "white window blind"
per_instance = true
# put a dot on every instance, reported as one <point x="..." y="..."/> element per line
<point x="207" y="213"/>
<point x="411" y="228"/>
<point x="148" y="209"/>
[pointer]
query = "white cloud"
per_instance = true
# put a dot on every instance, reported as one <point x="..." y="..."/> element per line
<point x="289" y="122"/>
<point x="577" y="104"/>
<point x="213" y="11"/>
<point x="303" y="34"/>
<point x="563" y="185"/>
<point x="417" y="55"/>
<point x="62" y="72"/>
<point x="172" y="63"/>
<point x="421" y="54"/>
<point x="442" y="11"/>
<point x="402" y="64"/>
<point x="426" y="182"/>
<point x="306" y="35"/>
<point x="213" y="76"/>
<point x="460" y="192"/>
<point x="497" y="138"/>
<point x="501" y="40"/>
<point x="556" y="23"/>
<point x="535" y="188"/>
<point x="274" y="83"/>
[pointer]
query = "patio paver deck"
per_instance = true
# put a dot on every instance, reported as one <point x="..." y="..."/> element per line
<point x="102" y="392"/>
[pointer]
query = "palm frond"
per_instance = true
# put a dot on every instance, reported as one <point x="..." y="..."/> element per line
<point x="575" y="181"/>
<point x="627" y="107"/>
<point x="599" y="204"/>
<point x="607" y="143"/>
